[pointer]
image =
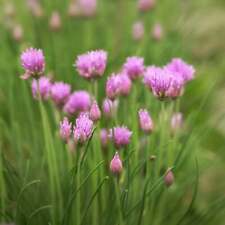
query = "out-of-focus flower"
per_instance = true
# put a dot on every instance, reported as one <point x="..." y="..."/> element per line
<point x="92" y="64"/>
<point x="87" y="7"/>
<point x="181" y="68"/>
<point x="120" y="136"/>
<point x="78" y="101"/>
<point x="9" y="9"/>
<point x="33" y="61"/>
<point x="95" y="113"/>
<point x="158" y="81"/>
<point x="65" y="129"/>
<point x="60" y="92"/>
<point x="73" y="9"/>
<point x="125" y="84"/>
<point x="83" y="128"/>
<point x="41" y="87"/>
<point x="116" y="165"/>
<point x="17" y="33"/>
<point x="157" y="32"/>
<point x="169" y="178"/>
<point x="104" y="137"/>
<point x="176" y="122"/>
<point x="138" y="31"/>
<point x="113" y="86"/>
<point x="134" y="67"/>
<point x="109" y="107"/>
<point x="145" y="121"/>
<point x="35" y="7"/>
<point x="55" y="21"/>
<point x="145" y="5"/>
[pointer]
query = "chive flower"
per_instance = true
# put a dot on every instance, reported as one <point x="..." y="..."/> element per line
<point x="65" y="129"/>
<point x="125" y="84"/>
<point x="83" y="128"/>
<point x="138" y="30"/>
<point x="92" y="64"/>
<point x="145" y="121"/>
<point x="41" y="87"/>
<point x="109" y="107"/>
<point x="95" y="113"/>
<point x="33" y="62"/>
<point x="116" y="165"/>
<point x="113" y="85"/>
<point x="145" y="5"/>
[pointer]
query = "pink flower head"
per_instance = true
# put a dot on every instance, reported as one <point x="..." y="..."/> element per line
<point x="78" y="101"/>
<point x="176" y="121"/>
<point x="134" y="67"/>
<point x="83" y="128"/>
<point x="145" y="5"/>
<point x="116" y="165"/>
<point x="113" y="85"/>
<point x="55" y="21"/>
<point x="42" y="87"/>
<point x="145" y="121"/>
<point x="125" y="84"/>
<point x="138" y="30"/>
<point x="109" y="107"/>
<point x="17" y="33"/>
<point x="158" y="81"/>
<point x="65" y="129"/>
<point x="87" y="7"/>
<point x="121" y="136"/>
<point x="60" y="93"/>
<point x="157" y="32"/>
<point x="184" y="70"/>
<point x="33" y="61"/>
<point x="91" y="64"/>
<point x="104" y="137"/>
<point x="95" y="113"/>
<point x="169" y="178"/>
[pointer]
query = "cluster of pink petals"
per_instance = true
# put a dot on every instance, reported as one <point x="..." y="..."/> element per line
<point x="163" y="83"/>
<point x="134" y="67"/>
<point x="33" y="62"/>
<point x="145" y="5"/>
<point x="83" y="128"/>
<point x="125" y="84"/>
<point x="138" y="30"/>
<point x="41" y="87"/>
<point x="104" y="137"/>
<point x="92" y="64"/>
<point x="113" y="85"/>
<point x="145" y="121"/>
<point x="120" y="136"/>
<point x="87" y="7"/>
<point x="55" y="21"/>
<point x="157" y="32"/>
<point x="184" y="70"/>
<point x="65" y="129"/>
<point x="116" y="165"/>
<point x="95" y="112"/>
<point x="78" y="101"/>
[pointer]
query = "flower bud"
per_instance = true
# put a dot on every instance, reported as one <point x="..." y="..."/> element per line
<point x="65" y="129"/>
<point x="55" y="21"/>
<point x="116" y="165"/>
<point x="17" y="33"/>
<point x="138" y="31"/>
<point x="95" y="113"/>
<point x="145" y="121"/>
<point x="169" y="178"/>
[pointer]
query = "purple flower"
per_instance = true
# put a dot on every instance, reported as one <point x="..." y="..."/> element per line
<point x="104" y="137"/>
<point x="138" y="30"/>
<point x="42" y="87"/>
<point x="157" y="32"/>
<point x="113" y="85"/>
<point x="55" y="21"/>
<point x="65" y="129"/>
<point x="60" y="93"/>
<point x="169" y="178"/>
<point x="83" y="128"/>
<point x="145" y="5"/>
<point x="109" y="107"/>
<point x="33" y="61"/>
<point x="125" y="84"/>
<point x="91" y="64"/>
<point x="116" y="165"/>
<point x="78" y="101"/>
<point x="87" y="7"/>
<point x="134" y="67"/>
<point x="158" y="81"/>
<point x="182" y="69"/>
<point x="145" y="121"/>
<point x="121" y="136"/>
<point x="95" y="113"/>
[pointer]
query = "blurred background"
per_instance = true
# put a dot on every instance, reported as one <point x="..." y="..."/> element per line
<point x="193" y="30"/>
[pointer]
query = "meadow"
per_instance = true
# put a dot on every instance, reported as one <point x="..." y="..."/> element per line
<point x="111" y="112"/>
